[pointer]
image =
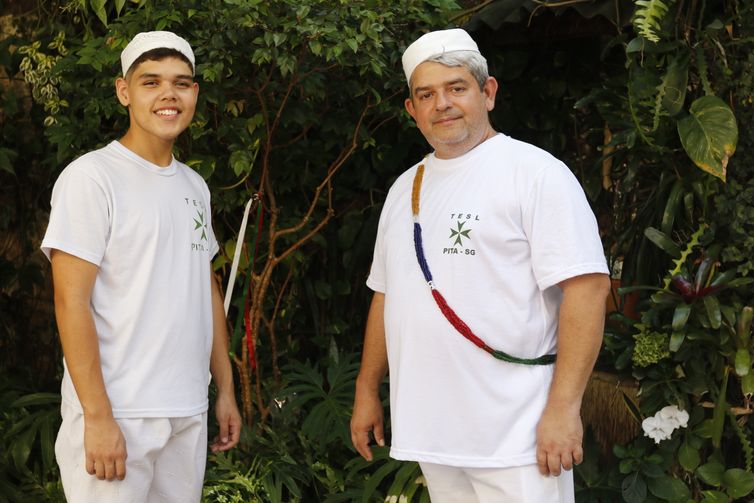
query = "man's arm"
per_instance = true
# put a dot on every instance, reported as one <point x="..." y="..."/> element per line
<point x="367" y="408"/>
<point x="226" y="410"/>
<point x="104" y="444"/>
<point x="580" y="329"/>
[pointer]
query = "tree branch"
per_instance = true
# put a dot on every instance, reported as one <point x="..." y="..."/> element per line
<point x="334" y="167"/>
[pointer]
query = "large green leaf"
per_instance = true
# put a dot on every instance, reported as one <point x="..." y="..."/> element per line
<point x="676" y="339"/>
<point x="634" y="489"/>
<point x="715" y="497"/>
<point x="668" y="488"/>
<point x="675" y="83"/>
<point x="680" y="317"/>
<point x="711" y="473"/>
<point x="743" y="362"/>
<point x="671" y="207"/>
<point x="738" y="482"/>
<point x="743" y="327"/>
<point x="663" y="241"/>
<point x="689" y="457"/>
<point x="36" y="399"/>
<point x="709" y="134"/>
<point x="712" y="307"/>
<point x="747" y="384"/>
<point x="98" y="6"/>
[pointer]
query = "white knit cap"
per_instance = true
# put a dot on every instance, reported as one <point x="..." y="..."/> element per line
<point x="148" y="40"/>
<point x="434" y="43"/>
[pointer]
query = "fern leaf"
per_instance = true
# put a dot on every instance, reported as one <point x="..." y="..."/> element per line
<point x="649" y="15"/>
<point x="701" y="62"/>
<point x="680" y="261"/>
<point x="658" y="105"/>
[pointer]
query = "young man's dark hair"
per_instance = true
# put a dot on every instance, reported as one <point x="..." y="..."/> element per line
<point x="158" y="55"/>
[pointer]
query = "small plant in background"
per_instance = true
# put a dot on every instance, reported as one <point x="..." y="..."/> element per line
<point x="693" y="332"/>
<point x="29" y="423"/>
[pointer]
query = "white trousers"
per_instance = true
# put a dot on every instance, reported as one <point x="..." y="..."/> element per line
<point x="165" y="463"/>
<point x="518" y="484"/>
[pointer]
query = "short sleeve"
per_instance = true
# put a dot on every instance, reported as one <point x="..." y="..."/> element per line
<point x="561" y="229"/>
<point x="377" y="274"/>
<point x="214" y="247"/>
<point x="79" y="217"/>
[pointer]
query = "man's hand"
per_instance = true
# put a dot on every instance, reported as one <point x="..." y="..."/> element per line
<point x="367" y="414"/>
<point x="559" y="436"/>
<point x="580" y="326"/>
<point x="105" y="449"/>
<point x="229" y="420"/>
<point x="367" y="418"/>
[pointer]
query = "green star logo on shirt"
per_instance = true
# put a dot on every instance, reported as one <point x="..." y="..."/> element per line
<point x="200" y="224"/>
<point x="459" y="234"/>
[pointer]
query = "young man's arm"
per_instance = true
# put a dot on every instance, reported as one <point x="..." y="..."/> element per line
<point x="104" y="444"/>
<point x="580" y="330"/>
<point x="226" y="410"/>
<point x="367" y="408"/>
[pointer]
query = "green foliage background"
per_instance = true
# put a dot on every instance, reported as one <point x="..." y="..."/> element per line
<point x="301" y="102"/>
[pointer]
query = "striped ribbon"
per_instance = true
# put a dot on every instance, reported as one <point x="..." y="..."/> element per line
<point x="446" y="310"/>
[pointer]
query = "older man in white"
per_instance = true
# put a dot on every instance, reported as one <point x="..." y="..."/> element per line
<point x="490" y="284"/>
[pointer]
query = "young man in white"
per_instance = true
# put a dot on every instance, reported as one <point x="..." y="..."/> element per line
<point x="502" y="229"/>
<point x="139" y="311"/>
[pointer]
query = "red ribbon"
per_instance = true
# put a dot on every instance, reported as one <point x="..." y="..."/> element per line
<point x="247" y="306"/>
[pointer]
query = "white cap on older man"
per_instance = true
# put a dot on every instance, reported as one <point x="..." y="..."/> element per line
<point x="435" y="43"/>
<point x="149" y="40"/>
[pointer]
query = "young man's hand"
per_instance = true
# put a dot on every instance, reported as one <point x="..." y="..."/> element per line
<point x="229" y="420"/>
<point x="105" y="449"/>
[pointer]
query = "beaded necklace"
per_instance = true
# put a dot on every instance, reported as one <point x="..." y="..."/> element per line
<point x="446" y="310"/>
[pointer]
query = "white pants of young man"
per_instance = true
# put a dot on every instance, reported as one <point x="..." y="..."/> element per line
<point x="518" y="484"/>
<point x="165" y="463"/>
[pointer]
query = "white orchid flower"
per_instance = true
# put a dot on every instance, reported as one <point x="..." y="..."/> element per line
<point x="673" y="415"/>
<point x="657" y="428"/>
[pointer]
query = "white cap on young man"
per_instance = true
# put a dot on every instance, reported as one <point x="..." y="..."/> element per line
<point x="435" y="43"/>
<point x="149" y="40"/>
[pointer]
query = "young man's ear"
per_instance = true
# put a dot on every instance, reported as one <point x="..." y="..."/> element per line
<point x="121" y="90"/>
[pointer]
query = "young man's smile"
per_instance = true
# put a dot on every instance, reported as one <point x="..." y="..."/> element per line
<point x="168" y="113"/>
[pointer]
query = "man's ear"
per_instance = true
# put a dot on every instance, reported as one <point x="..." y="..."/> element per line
<point x="121" y="90"/>
<point x="490" y="90"/>
<point x="410" y="108"/>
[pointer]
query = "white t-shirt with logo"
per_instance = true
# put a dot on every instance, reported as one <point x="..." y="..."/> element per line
<point x="148" y="230"/>
<point x="502" y="225"/>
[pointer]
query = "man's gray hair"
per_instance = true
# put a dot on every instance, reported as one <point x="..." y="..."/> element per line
<point x="471" y="60"/>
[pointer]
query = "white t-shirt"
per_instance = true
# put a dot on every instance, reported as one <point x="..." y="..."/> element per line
<point x="502" y="225"/>
<point x="148" y="229"/>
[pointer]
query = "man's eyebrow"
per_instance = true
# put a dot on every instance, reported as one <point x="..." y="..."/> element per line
<point x="456" y="81"/>
<point x="444" y="84"/>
